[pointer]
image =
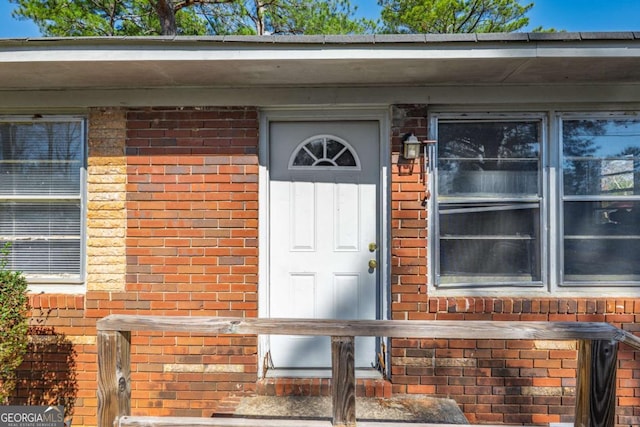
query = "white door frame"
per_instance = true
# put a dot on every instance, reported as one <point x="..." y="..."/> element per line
<point x="380" y="114"/>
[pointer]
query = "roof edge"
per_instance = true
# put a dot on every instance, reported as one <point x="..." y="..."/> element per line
<point x="337" y="39"/>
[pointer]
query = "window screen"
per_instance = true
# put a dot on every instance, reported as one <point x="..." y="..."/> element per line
<point x="489" y="202"/>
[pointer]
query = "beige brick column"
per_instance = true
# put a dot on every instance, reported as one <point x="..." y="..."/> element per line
<point x="106" y="193"/>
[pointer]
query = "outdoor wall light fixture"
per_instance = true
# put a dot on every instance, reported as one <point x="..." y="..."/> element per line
<point x="411" y="147"/>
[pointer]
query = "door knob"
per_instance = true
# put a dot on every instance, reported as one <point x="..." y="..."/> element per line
<point x="372" y="247"/>
<point x="373" y="264"/>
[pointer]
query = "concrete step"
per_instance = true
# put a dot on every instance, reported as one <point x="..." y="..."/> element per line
<point x="141" y="421"/>
<point x="400" y="408"/>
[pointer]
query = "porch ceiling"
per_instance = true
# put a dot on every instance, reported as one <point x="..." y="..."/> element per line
<point x="319" y="61"/>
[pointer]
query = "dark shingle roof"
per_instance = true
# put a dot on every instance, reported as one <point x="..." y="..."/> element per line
<point x="360" y="39"/>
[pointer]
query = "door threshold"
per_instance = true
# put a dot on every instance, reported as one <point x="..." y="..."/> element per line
<point x="364" y="373"/>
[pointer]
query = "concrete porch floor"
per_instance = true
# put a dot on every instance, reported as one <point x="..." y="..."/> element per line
<point x="407" y="408"/>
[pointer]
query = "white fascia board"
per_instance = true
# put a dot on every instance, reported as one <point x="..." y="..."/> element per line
<point x="591" y="51"/>
<point x="268" y="52"/>
<point x="138" y="55"/>
<point x="265" y="53"/>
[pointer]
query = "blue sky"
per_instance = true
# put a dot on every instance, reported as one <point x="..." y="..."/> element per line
<point x="569" y="15"/>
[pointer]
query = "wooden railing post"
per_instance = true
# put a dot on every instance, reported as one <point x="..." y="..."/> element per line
<point x="114" y="376"/>
<point x="596" y="383"/>
<point x="343" y="382"/>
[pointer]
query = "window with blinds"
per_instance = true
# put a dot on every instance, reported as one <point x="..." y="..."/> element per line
<point x="42" y="164"/>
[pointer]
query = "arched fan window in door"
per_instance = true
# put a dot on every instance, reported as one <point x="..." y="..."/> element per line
<point x="325" y="152"/>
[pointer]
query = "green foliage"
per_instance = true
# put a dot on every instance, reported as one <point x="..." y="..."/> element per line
<point x="14" y="324"/>
<point x="285" y="17"/>
<point x="101" y="17"/>
<point x="195" y="17"/>
<point x="454" y="16"/>
<point x="245" y="17"/>
<point x="314" y="17"/>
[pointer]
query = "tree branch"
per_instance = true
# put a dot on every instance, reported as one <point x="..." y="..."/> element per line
<point x="472" y="12"/>
<point x="187" y="3"/>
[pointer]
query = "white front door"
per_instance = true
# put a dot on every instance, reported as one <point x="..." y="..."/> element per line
<point x="324" y="180"/>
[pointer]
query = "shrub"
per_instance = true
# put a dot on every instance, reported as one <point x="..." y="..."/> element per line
<point x="14" y="324"/>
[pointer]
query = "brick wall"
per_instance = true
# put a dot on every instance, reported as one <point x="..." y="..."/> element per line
<point x="192" y="249"/>
<point x="494" y="381"/>
<point x="408" y="217"/>
<point x="172" y="224"/>
<point x="172" y="228"/>
<point x="59" y="367"/>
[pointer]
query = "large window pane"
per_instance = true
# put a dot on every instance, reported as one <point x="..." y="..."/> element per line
<point x="41" y="164"/>
<point x="602" y="241"/>
<point x="489" y="215"/>
<point x="488" y="159"/>
<point x="41" y="158"/>
<point x="489" y="243"/>
<point x="601" y="201"/>
<point x="601" y="157"/>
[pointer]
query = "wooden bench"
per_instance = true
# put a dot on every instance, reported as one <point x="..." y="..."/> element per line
<point x="596" y="370"/>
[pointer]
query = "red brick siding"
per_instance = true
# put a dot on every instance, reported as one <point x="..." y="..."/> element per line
<point x="517" y="382"/>
<point x="192" y="249"/>
<point x="408" y="218"/>
<point x="59" y="366"/>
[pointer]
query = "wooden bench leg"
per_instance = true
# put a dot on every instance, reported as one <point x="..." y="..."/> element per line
<point x="343" y="387"/>
<point x="596" y="383"/>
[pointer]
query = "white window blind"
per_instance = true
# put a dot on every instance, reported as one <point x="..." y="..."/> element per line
<point x="41" y="170"/>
